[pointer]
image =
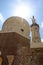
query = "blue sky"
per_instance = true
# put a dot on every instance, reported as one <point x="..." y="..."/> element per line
<point x="28" y="8"/>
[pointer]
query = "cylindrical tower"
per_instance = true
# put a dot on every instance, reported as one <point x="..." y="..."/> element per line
<point x="35" y="31"/>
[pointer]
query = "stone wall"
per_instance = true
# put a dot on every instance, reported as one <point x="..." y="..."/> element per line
<point x="15" y="50"/>
<point x="13" y="45"/>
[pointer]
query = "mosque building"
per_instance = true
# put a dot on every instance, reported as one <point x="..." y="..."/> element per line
<point x="16" y="47"/>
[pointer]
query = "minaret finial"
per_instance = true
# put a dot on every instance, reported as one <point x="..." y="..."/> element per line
<point x="33" y="20"/>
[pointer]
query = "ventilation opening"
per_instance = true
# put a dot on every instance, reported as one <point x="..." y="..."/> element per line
<point x="22" y="30"/>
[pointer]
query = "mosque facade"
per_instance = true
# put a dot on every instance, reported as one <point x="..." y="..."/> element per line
<point x="16" y="47"/>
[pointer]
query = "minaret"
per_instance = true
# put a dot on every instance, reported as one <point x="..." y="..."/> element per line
<point x="35" y="31"/>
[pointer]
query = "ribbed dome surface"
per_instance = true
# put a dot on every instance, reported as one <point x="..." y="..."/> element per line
<point x="18" y="25"/>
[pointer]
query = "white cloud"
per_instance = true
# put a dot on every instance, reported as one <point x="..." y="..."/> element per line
<point x="42" y="25"/>
<point x="1" y="18"/>
<point x="41" y="40"/>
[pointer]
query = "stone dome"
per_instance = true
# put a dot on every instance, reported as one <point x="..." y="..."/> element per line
<point x="18" y="25"/>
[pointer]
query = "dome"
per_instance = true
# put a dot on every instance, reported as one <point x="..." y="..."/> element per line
<point x="18" y="25"/>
